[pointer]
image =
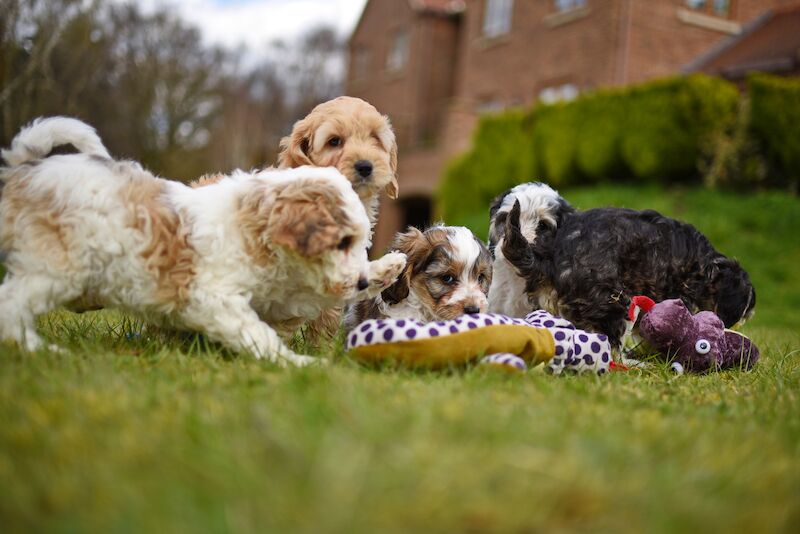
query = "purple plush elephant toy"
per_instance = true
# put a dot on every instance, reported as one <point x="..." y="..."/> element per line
<point x="696" y="342"/>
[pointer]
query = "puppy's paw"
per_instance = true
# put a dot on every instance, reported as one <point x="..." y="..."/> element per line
<point x="384" y="272"/>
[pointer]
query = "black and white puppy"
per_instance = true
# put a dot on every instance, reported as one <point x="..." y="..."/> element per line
<point x="586" y="265"/>
<point x="448" y="273"/>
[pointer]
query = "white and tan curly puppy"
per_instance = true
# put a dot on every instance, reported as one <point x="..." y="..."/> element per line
<point x="234" y="259"/>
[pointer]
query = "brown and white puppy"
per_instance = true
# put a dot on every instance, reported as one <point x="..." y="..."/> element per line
<point x="448" y="273"/>
<point x="235" y="259"/>
<point x="351" y="135"/>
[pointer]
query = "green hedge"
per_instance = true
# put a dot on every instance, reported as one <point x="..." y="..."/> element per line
<point x="658" y="132"/>
<point x="775" y="126"/>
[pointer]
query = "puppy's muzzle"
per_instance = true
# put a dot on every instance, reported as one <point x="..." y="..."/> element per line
<point x="471" y="309"/>
<point x="363" y="284"/>
<point x="363" y="169"/>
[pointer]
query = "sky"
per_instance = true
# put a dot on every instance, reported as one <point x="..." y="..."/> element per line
<point x="256" y="23"/>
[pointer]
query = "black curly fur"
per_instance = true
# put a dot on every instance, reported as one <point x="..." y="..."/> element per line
<point x="596" y="260"/>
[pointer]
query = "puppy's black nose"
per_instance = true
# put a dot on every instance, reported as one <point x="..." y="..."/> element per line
<point x="471" y="309"/>
<point x="362" y="284"/>
<point x="363" y="167"/>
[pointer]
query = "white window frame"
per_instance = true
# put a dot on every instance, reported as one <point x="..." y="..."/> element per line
<point x="559" y="93"/>
<point x="497" y="17"/>
<point x="710" y="7"/>
<point x="397" y="57"/>
<point x="569" y="5"/>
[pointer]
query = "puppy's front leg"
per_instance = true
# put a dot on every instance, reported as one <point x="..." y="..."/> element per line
<point x="383" y="273"/>
<point x="231" y="321"/>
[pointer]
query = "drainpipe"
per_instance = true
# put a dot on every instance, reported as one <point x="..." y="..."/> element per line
<point x="624" y="49"/>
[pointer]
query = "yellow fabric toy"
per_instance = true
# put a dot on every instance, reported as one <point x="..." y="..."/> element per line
<point x="533" y="345"/>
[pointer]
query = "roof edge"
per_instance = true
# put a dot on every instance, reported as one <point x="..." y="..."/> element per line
<point x="729" y="42"/>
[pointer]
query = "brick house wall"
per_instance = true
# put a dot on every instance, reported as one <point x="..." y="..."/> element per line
<point x="665" y="35"/>
<point x="454" y="72"/>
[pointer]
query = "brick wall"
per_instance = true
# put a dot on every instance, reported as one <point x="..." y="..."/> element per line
<point x="665" y="35"/>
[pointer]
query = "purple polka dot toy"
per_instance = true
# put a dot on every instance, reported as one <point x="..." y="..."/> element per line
<point x="571" y="350"/>
<point x="505" y="360"/>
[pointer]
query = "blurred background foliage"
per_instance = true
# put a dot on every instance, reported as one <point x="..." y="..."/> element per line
<point x="685" y="130"/>
<point x="150" y="85"/>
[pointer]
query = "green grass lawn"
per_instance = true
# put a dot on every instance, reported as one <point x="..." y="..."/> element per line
<point x="164" y="433"/>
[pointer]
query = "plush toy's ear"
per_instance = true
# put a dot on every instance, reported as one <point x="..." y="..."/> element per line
<point x="666" y="324"/>
<point x="740" y="351"/>
<point x="708" y="321"/>
<point x="295" y="147"/>
<point x="412" y="243"/>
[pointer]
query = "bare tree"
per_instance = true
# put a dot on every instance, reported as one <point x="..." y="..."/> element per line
<point x="150" y="86"/>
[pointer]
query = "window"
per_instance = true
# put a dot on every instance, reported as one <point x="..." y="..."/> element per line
<point x="567" y="5"/>
<point x="497" y="18"/>
<point x="719" y="8"/>
<point x="561" y="93"/>
<point x="398" y="53"/>
<point x="490" y="105"/>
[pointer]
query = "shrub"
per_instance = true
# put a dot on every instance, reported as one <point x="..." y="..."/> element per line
<point x="737" y="161"/>
<point x="775" y="105"/>
<point x="598" y="147"/>
<point x="555" y="130"/>
<point x="656" y="132"/>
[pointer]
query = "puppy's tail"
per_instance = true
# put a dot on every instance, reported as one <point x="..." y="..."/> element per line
<point x="36" y="140"/>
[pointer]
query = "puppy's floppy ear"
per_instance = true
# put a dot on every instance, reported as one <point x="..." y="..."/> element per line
<point x="733" y="292"/>
<point x="516" y="248"/>
<point x="412" y="243"/>
<point x="295" y="147"/>
<point x="564" y="208"/>
<point x="392" y="189"/>
<point x="497" y="221"/>
<point x="306" y="220"/>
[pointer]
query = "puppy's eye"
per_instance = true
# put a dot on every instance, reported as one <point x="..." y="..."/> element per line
<point x="481" y="279"/>
<point x="335" y="141"/>
<point x="345" y="243"/>
<point x="448" y="279"/>
<point x="541" y="227"/>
